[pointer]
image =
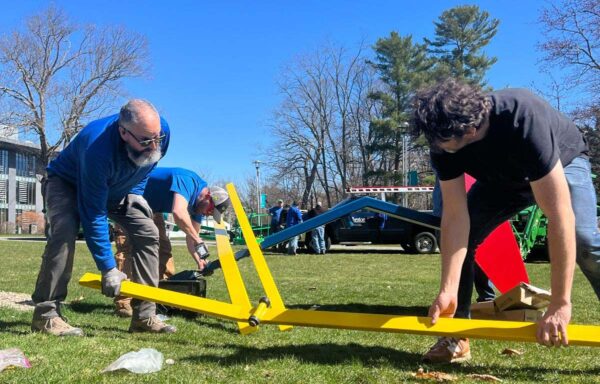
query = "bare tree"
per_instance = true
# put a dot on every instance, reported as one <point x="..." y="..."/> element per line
<point x="554" y="90"/>
<point x="55" y="74"/>
<point x="572" y="40"/>
<point x="352" y="81"/>
<point x="320" y="122"/>
<point x="302" y="120"/>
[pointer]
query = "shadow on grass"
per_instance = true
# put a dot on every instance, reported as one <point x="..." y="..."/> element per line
<point x="370" y="356"/>
<point x="27" y="238"/>
<point x="365" y="308"/>
<point x="326" y="354"/>
<point x="206" y="322"/>
<point x="83" y="307"/>
<point x="14" y="327"/>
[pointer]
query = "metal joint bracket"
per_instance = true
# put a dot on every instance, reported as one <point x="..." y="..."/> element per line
<point x="263" y="304"/>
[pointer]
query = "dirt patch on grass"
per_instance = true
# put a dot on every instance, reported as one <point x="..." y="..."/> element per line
<point x="19" y="301"/>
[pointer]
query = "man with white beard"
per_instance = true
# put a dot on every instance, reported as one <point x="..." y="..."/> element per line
<point x="102" y="173"/>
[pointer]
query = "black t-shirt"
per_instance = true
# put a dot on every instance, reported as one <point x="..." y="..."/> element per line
<point x="525" y="139"/>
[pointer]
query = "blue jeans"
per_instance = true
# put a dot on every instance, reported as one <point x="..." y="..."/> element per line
<point x="492" y="204"/>
<point x="318" y="239"/>
<point x="292" y="245"/>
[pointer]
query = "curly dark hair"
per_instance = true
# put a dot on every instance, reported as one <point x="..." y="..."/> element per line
<point x="448" y="108"/>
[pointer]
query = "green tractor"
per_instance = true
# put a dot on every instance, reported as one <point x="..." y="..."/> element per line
<point x="531" y="228"/>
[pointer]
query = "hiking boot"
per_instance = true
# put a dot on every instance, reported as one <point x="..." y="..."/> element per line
<point x="124" y="311"/>
<point x="123" y="308"/>
<point x="55" y="326"/>
<point x="152" y="324"/>
<point x="448" y="350"/>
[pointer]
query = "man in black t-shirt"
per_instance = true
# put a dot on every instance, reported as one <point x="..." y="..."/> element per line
<point x="521" y="151"/>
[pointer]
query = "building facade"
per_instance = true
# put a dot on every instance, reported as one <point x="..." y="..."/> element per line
<point x="21" y="202"/>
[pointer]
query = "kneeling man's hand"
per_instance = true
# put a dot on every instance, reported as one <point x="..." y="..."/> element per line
<point x="443" y="306"/>
<point x="111" y="282"/>
<point x="552" y="328"/>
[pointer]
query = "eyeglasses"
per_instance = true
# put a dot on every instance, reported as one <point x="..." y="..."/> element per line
<point x="145" y="142"/>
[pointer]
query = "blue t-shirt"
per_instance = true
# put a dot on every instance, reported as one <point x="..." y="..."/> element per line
<point x="164" y="182"/>
<point x="275" y="213"/>
<point x="96" y="163"/>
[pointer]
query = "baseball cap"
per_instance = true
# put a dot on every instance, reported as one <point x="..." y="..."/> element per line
<point x="220" y="199"/>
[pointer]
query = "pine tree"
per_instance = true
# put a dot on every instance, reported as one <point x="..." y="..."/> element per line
<point x="403" y="67"/>
<point x="460" y="35"/>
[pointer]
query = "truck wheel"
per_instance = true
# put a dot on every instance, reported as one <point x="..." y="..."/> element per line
<point x="425" y="242"/>
<point x="327" y="243"/>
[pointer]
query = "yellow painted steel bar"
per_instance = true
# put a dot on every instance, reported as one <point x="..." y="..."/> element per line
<point x="264" y="273"/>
<point x="585" y="335"/>
<point x="175" y="299"/>
<point x="233" y="278"/>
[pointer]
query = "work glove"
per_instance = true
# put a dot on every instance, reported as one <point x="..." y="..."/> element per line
<point x="202" y="250"/>
<point x="111" y="282"/>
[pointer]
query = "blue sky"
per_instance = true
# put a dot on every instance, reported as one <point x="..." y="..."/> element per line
<point x="214" y="64"/>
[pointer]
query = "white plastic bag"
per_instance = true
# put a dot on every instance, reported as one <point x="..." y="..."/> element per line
<point x="146" y="360"/>
<point x="13" y="357"/>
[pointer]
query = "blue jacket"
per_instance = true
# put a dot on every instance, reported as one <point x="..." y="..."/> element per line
<point x="164" y="182"/>
<point x="294" y="216"/>
<point x="96" y="163"/>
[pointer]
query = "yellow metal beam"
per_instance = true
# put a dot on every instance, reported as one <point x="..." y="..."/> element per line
<point x="584" y="335"/>
<point x="233" y="278"/>
<point x="264" y="273"/>
<point x="240" y="311"/>
<point x="175" y="299"/>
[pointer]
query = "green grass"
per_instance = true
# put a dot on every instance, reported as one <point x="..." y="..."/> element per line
<point x="211" y="350"/>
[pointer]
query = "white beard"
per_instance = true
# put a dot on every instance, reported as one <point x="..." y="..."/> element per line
<point x="144" y="158"/>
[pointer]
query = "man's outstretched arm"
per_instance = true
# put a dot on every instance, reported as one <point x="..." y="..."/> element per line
<point x="552" y="195"/>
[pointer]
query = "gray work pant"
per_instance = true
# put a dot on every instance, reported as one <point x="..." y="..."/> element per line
<point x="133" y="214"/>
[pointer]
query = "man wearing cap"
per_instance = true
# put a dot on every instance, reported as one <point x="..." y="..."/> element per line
<point x="187" y="196"/>
<point x="102" y="173"/>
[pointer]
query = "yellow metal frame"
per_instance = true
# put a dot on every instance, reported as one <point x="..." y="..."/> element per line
<point x="271" y="309"/>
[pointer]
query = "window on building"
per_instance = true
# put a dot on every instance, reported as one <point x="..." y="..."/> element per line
<point x="3" y="192"/>
<point x="25" y="165"/>
<point x="25" y="192"/>
<point x="3" y="162"/>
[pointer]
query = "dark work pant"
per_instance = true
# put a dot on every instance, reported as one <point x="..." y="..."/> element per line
<point x="133" y="214"/>
<point x="491" y="205"/>
<point x="483" y="285"/>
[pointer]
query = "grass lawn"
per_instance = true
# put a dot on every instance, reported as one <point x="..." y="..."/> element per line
<point x="211" y="350"/>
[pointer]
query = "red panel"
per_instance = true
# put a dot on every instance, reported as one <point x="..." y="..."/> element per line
<point x="499" y="255"/>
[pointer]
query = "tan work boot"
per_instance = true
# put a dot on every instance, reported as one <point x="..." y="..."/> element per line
<point x="123" y="308"/>
<point x="152" y="324"/>
<point x="55" y="326"/>
<point x="448" y="350"/>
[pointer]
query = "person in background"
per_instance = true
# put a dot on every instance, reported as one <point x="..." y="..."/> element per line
<point x="317" y="238"/>
<point x="294" y="216"/>
<point x="275" y="213"/>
